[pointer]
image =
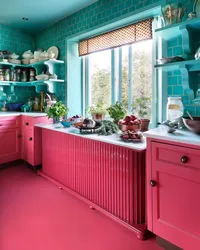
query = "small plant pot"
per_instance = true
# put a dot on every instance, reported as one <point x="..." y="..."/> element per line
<point x="98" y="117"/>
<point x="135" y="127"/>
<point x="144" y="125"/>
<point x="56" y="119"/>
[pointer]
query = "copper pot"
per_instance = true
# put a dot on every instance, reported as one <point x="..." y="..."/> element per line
<point x="144" y="125"/>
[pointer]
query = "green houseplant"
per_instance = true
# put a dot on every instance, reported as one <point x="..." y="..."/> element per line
<point x="56" y="111"/>
<point x="142" y="107"/>
<point x="117" y="111"/>
<point x="97" y="111"/>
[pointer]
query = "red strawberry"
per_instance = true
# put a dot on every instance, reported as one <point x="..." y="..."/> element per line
<point x="132" y="117"/>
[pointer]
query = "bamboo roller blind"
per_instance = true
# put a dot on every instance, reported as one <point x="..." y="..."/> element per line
<point x="116" y="38"/>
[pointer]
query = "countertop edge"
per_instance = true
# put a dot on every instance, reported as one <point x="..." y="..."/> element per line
<point x="98" y="138"/>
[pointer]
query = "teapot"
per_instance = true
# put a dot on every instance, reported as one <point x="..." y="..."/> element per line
<point x="27" y="54"/>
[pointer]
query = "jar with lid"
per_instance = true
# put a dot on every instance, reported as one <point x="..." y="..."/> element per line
<point x="174" y="108"/>
<point x="24" y="76"/>
<point x="1" y="75"/>
<point x="7" y="75"/>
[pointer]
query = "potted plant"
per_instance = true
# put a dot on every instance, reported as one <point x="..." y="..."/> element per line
<point x="56" y="111"/>
<point x="117" y="111"/>
<point x="141" y="106"/>
<point x="97" y="111"/>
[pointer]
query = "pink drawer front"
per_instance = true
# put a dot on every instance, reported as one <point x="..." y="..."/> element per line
<point x="9" y="122"/>
<point x="29" y="122"/>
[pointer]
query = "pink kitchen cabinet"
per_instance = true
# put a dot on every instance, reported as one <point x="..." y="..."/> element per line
<point x="10" y="139"/>
<point x="173" y="201"/>
<point x="31" y="148"/>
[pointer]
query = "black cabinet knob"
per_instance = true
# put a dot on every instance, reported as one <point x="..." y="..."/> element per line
<point x="30" y="139"/>
<point x="184" y="159"/>
<point x="153" y="183"/>
<point x="26" y="123"/>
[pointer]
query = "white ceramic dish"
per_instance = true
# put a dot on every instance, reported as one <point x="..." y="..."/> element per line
<point x="33" y="60"/>
<point x="42" y="77"/>
<point x="15" y="61"/>
<point x="14" y="56"/>
<point x="54" y="50"/>
<point x="25" y="61"/>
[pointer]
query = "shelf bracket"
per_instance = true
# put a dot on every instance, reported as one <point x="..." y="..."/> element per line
<point x="186" y="82"/>
<point x="187" y="44"/>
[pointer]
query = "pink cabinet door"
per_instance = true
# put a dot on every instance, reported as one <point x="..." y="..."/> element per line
<point x="9" y="145"/>
<point x="175" y="186"/>
<point x="58" y="157"/>
<point x="27" y="149"/>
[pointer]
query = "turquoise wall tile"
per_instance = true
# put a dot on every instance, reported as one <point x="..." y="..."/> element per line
<point x="172" y="80"/>
<point x="178" y="90"/>
<point x="18" y="42"/>
<point x="170" y="90"/>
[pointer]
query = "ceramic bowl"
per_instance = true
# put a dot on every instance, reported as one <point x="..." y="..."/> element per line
<point x="42" y="77"/>
<point x="15" y="61"/>
<point x="192" y="125"/>
<point x="25" y="61"/>
<point x="14" y="56"/>
<point x="66" y="124"/>
<point x="34" y="60"/>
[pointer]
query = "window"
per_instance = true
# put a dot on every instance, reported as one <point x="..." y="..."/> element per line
<point x="122" y="74"/>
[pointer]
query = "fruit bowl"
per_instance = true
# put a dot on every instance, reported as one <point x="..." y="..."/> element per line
<point x="66" y="124"/>
<point x="134" y="127"/>
<point x="192" y="125"/>
<point x="131" y="136"/>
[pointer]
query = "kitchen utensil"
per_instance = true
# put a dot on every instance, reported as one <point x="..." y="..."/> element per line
<point x="189" y="115"/>
<point x="54" y="50"/>
<point x="192" y="125"/>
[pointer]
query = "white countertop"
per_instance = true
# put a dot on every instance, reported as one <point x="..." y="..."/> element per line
<point x="32" y="114"/>
<point x="112" y="139"/>
<point x="180" y="136"/>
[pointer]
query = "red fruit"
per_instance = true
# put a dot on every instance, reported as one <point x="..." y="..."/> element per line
<point x="123" y="123"/>
<point x="136" y="122"/>
<point x="132" y="117"/>
<point x="132" y="123"/>
<point x="120" y="122"/>
<point x="127" y="118"/>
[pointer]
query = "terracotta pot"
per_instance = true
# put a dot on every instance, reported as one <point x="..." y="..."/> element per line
<point x="135" y="127"/>
<point x="98" y="117"/>
<point x="144" y="125"/>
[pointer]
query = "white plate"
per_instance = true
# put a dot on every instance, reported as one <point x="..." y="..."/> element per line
<point x="55" y="50"/>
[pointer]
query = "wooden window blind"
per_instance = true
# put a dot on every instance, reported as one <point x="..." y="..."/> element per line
<point x="116" y="38"/>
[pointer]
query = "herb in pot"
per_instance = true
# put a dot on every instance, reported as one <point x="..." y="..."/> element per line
<point x="56" y="111"/>
<point x="97" y="111"/>
<point x="107" y="128"/>
<point x="117" y="111"/>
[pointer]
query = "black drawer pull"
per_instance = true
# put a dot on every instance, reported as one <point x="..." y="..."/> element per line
<point x="1" y="124"/>
<point x="30" y="139"/>
<point x="184" y="159"/>
<point x="26" y="123"/>
<point x="153" y="183"/>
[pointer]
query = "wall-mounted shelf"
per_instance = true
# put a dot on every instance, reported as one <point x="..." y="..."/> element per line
<point x="171" y="31"/>
<point x="44" y="85"/>
<point x="191" y="65"/>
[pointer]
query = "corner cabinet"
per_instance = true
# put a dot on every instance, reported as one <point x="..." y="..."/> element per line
<point x="173" y="201"/>
<point x="51" y="85"/>
<point x="10" y="139"/>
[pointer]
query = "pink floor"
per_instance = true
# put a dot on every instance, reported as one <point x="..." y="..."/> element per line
<point x="36" y="215"/>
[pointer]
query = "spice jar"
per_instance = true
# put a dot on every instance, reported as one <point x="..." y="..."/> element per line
<point x="1" y="75"/>
<point x="7" y="75"/>
<point x="24" y="77"/>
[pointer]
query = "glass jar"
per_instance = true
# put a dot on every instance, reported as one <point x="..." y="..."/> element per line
<point x="174" y="108"/>
<point x="7" y="75"/>
<point x="1" y="75"/>
<point x="24" y="75"/>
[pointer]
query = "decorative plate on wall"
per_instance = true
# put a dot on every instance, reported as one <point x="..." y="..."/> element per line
<point x="55" y="50"/>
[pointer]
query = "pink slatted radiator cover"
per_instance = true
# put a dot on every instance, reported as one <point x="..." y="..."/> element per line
<point x="108" y="176"/>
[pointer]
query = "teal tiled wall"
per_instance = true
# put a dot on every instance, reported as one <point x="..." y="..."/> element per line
<point x="100" y="14"/>
<point x="18" y="42"/>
